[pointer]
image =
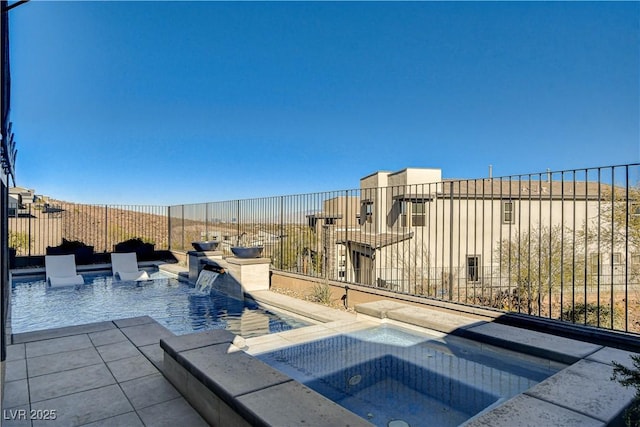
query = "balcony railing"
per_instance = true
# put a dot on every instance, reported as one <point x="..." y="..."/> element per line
<point x="561" y="245"/>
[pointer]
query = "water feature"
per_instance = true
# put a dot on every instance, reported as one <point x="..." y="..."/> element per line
<point x="204" y="284"/>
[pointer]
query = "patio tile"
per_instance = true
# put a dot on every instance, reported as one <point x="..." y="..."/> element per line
<point x="155" y="354"/>
<point x="16" y="352"/>
<point x="107" y="337"/>
<point x="229" y="374"/>
<point x="47" y="334"/>
<point x="16" y="370"/>
<point x="532" y="412"/>
<point x="16" y="417"/>
<point x="59" y="362"/>
<point x="131" y="367"/>
<point x="133" y="321"/>
<point x="176" y="412"/>
<point x="149" y="390"/>
<point x="294" y="404"/>
<point x="16" y="393"/>
<point x="608" y="355"/>
<point x="73" y="381"/>
<point x="536" y="343"/>
<point x="585" y="387"/>
<point x="84" y="407"/>
<point x="57" y="345"/>
<point x="146" y="334"/>
<point x="130" y="419"/>
<point x="176" y="344"/>
<point x="116" y="351"/>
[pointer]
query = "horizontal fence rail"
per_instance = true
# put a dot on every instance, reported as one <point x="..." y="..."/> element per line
<point x="560" y="245"/>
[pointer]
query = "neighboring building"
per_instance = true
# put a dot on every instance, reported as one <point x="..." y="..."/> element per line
<point x="20" y="199"/>
<point x="339" y="215"/>
<point x="421" y="234"/>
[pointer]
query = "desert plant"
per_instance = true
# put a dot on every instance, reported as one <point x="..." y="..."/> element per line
<point x="321" y="293"/>
<point x="503" y="300"/>
<point x="19" y="241"/>
<point x="537" y="263"/>
<point x="593" y="315"/>
<point x="630" y="377"/>
<point x="72" y="244"/>
<point x="82" y="252"/>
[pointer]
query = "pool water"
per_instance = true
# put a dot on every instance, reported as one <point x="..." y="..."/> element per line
<point x="177" y="305"/>
<point x="387" y="374"/>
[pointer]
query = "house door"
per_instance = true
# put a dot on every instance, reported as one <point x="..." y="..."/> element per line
<point x="363" y="268"/>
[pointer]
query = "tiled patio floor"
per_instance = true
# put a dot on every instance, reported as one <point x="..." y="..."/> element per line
<point x="101" y="374"/>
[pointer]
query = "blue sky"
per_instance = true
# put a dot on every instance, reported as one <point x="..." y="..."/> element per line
<point x="182" y="102"/>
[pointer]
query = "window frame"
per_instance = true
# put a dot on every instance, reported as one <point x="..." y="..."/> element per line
<point x="511" y="212"/>
<point x="473" y="276"/>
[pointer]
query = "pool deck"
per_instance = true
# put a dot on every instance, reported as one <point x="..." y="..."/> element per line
<point x="99" y="374"/>
<point x="113" y="373"/>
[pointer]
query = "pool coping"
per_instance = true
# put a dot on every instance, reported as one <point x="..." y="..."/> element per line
<point x="230" y="387"/>
<point x="580" y="394"/>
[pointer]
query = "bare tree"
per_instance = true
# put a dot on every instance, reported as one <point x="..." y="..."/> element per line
<point x="537" y="264"/>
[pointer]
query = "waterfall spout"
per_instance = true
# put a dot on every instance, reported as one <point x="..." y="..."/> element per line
<point x="204" y="284"/>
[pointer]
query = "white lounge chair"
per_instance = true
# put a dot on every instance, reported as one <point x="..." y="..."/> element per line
<point x="125" y="267"/>
<point x="61" y="270"/>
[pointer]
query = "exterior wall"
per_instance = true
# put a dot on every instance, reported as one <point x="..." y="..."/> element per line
<point x="414" y="176"/>
<point x="371" y="190"/>
<point x="457" y="240"/>
<point x="338" y="214"/>
<point x="457" y="228"/>
<point x="361" y="294"/>
<point x="375" y="180"/>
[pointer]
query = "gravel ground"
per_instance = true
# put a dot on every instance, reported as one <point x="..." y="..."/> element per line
<point x="308" y="296"/>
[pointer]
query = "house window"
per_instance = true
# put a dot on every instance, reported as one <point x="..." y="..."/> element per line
<point x="508" y="209"/>
<point x="635" y="209"/>
<point x="417" y="214"/>
<point x="616" y="258"/>
<point x="366" y="215"/>
<point x="417" y="211"/>
<point x="473" y="268"/>
<point x="635" y="259"/>
<point x="594" y="261"/>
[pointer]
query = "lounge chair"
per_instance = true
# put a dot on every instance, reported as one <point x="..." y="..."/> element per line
<point x="125" y="267"/>
<point x="61" y="270"/>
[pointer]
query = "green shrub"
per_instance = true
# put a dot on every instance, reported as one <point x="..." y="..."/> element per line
<point x="19" y="242"/>
<point x="630" y="378"/>
<point x="589" y="314"/>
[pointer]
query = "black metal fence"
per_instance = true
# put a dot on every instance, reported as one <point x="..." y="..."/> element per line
<point x="35" y="226"/>
<point x="561" y="245"/>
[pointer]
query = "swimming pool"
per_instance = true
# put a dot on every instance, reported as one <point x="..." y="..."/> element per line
<point x="387" y="374"/>
<point x="176" y="305"/>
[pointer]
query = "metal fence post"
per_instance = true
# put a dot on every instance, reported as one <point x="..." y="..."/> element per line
<point x="451" y="240"/>
<point x="28" y="241"/>
<point x="106" y="228"/>
<point x="169" y="227"/>
<point x="281" y="231"/>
